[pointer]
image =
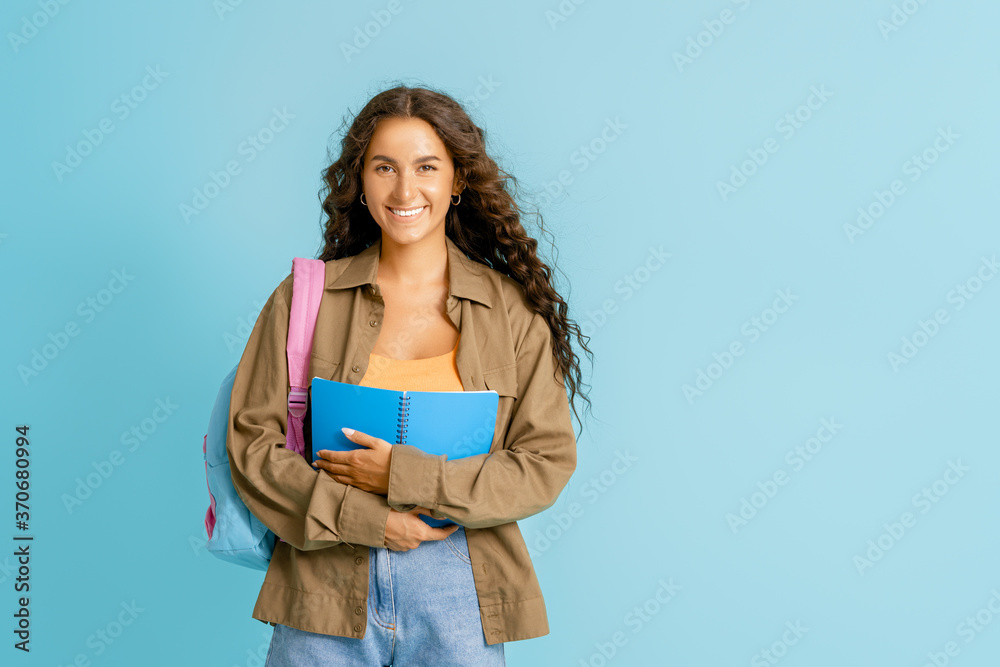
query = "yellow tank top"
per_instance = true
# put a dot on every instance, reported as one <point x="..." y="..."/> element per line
<point x="438" y="373"/>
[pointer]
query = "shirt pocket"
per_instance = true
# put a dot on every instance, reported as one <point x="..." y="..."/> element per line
<point x="503" y="381"/>
<point x="320" y="367"/>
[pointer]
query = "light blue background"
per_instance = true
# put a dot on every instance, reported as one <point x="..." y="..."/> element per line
<point x="553" y="87"/>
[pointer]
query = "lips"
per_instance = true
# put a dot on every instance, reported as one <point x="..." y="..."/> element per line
<point x="406" y="213"/>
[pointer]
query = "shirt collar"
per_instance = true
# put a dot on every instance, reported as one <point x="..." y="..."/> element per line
<point x="465" y="276"/>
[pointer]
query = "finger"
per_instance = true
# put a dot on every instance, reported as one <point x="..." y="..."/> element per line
<point x="331" y="475"/>
<point x="326" y="467"/>
<point x="334" y="467"/>
<point x="440" y="533"/>
<point x="358" y="437"/>
<point x="349" y="481"/>
<point x="333" y="456"/>
<point x="337" y="476"/>
<point x="366" y="440"/>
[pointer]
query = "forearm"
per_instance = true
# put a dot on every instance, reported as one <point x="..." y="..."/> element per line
<point x="528" y="466"/>
<point x="304" y="507"/>
<point x="478" y="491"/>
<point x="301" y="505"/>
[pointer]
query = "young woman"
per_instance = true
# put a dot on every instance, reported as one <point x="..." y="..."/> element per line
<point x="432" y="284"/>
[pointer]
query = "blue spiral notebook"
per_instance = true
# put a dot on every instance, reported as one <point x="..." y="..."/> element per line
<point x="454" y="423"/>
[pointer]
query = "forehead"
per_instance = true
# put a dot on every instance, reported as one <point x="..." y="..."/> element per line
<point x="405" y="138"/>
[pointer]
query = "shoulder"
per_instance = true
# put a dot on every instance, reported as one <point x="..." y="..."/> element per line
<point x="282" y="294"/>
<point x="510" y="302"/>
<point x="505" y="292"/>
<point x="333" y="268"/>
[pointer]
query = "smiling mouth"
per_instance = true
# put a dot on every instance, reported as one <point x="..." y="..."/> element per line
<point x="406" y="212"/>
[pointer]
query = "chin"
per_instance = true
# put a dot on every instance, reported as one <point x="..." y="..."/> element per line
<point x="403" y="236"/>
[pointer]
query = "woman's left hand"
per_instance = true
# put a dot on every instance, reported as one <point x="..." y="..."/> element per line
<point x="366" y="468"/>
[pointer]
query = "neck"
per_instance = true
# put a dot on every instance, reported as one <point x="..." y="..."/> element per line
<point x="413" y="264"/>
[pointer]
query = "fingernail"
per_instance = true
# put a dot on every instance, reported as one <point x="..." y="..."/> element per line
<point x="348" y="431"/>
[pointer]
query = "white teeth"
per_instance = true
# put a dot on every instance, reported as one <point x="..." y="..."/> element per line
<point x="407" y="214"/>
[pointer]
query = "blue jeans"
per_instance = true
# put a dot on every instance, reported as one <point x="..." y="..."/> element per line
<point x="422" y="610"/>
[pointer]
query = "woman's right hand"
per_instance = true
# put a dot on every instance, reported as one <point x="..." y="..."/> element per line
<point x="406" y="530"/>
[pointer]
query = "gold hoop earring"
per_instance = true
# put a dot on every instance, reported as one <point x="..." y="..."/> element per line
<point x="363" y="202"/>
<point x="456" y="203"/>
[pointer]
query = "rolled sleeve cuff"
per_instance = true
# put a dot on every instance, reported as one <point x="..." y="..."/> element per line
<point x="362" y="518"/>
<point x="414" y="478"/>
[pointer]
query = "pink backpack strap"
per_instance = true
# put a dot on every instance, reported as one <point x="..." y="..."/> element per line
<point x="308" y="283"/>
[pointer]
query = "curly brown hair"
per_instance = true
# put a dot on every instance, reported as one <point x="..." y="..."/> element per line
<point x="486" y="224"/>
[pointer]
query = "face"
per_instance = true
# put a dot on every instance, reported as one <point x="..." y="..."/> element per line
<point x="408" y="180"/>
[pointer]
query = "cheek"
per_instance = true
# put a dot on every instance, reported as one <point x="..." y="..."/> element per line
<point x="376" y="187"/>
<point x="441" y="185"/>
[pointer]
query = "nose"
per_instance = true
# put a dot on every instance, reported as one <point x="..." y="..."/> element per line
<point x="404" y="188"/>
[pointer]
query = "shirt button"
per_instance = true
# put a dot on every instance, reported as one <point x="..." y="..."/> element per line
<point x="373" y="323"/>
<point x="355" y="368"/>
<point x="358" y="611"/>
<point x="359" y="560"/>
<point x="357" y="628"/>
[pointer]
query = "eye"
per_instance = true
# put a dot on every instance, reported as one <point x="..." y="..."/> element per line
<point x="381" y="166"/>
<point x="429" y="166"/>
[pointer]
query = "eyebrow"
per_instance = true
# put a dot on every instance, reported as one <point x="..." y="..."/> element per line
<point x="419" y="160"/>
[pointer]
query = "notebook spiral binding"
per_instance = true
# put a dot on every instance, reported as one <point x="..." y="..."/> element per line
<point x="402" y="419"/>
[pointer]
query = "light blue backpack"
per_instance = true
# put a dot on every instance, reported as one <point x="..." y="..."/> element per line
<point x="234" y="534"/>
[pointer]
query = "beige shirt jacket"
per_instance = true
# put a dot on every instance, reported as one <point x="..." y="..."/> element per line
<point x="318" y="576"/>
